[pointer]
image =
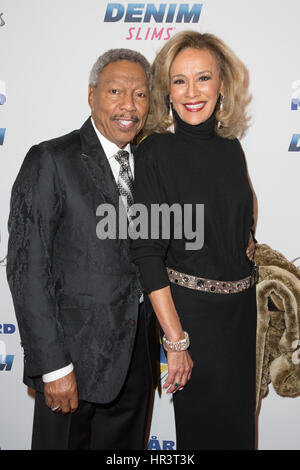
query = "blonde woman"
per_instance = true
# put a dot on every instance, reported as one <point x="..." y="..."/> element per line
<point x="204" y="298"/>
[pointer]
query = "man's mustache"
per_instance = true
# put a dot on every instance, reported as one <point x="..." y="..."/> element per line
<point x="125" y="118"/>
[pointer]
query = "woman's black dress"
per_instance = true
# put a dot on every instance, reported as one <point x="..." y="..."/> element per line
<point x="194" y="166"/>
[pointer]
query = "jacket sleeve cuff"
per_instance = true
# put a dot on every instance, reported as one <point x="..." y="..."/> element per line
<point x="57" y="374"/>
<point x="154" y="275"/>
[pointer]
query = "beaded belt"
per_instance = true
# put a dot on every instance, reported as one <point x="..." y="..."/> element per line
<point x="216" y="287"/>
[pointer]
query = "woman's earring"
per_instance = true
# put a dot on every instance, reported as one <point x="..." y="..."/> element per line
<point x="220" y="109"/>
<point x="171" y="128"/>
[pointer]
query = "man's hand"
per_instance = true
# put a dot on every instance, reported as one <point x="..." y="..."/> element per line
<point x="61" y="395"/>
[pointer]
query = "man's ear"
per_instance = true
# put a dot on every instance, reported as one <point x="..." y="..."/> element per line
<point x="91" y="97"/>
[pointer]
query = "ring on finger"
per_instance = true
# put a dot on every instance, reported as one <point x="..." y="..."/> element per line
<point x="54" y="408"/>
<point x="176" y="384"/>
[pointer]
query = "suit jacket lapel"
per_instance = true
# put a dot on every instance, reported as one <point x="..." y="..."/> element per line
<point x="133" y="149"/>
<point x="98" y="167"/>
<point x="97" y="164"/>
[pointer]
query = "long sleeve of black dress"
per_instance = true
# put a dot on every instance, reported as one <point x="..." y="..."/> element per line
<point x="150" y="254"/>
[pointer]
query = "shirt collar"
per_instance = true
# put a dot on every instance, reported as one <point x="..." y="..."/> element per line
<point x="110" y="149"/>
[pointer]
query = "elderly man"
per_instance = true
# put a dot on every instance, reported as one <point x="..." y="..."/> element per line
<point x="88" y="343"/>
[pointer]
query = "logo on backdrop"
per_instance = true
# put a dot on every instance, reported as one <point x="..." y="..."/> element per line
<point x="295" y="143"/>
<point x="2" y="135"/>
<point x="149" y="12"/>
<point x="155" y="444"/>
<point x="295" y="105"/>
<point x="2" y="93"/>
<point x="7" y="328"/>
<point x="2" y="22"/>
<point x="6" y="360"/>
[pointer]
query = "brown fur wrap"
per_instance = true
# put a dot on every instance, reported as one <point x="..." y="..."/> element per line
<point x="278" y="333"/>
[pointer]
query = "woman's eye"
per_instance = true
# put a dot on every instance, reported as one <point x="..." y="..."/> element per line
<point x="204" y="78"/>
<point x="178" y="81"/>
<point x="114" y="91"/>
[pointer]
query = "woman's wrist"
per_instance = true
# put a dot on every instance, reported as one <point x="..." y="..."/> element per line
<point x="174" y="335"/>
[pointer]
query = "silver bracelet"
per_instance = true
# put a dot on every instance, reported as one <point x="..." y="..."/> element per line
<point x="181" y="345"/>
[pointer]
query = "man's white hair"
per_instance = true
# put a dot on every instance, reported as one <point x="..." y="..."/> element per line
<point x="114" y="55"/>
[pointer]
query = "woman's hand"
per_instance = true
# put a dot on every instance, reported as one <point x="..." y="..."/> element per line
<point x="180" y="363"/>
<point x="180" y="367"/>
<point x="251" y="248"/>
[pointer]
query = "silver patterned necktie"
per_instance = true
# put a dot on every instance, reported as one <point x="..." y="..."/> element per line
<point x="125" y="179"/>
<point x="125" y="186"/>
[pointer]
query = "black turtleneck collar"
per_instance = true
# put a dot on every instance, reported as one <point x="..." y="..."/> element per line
<point x="205" y="130"/>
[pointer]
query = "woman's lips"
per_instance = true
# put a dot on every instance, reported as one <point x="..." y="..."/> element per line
<point x="194" y="107"/>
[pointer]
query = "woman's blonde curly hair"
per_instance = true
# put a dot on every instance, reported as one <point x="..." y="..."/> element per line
<point x="234" y="75"/>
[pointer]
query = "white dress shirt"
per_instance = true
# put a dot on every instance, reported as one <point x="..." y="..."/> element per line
<point x="110" y="149"/>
